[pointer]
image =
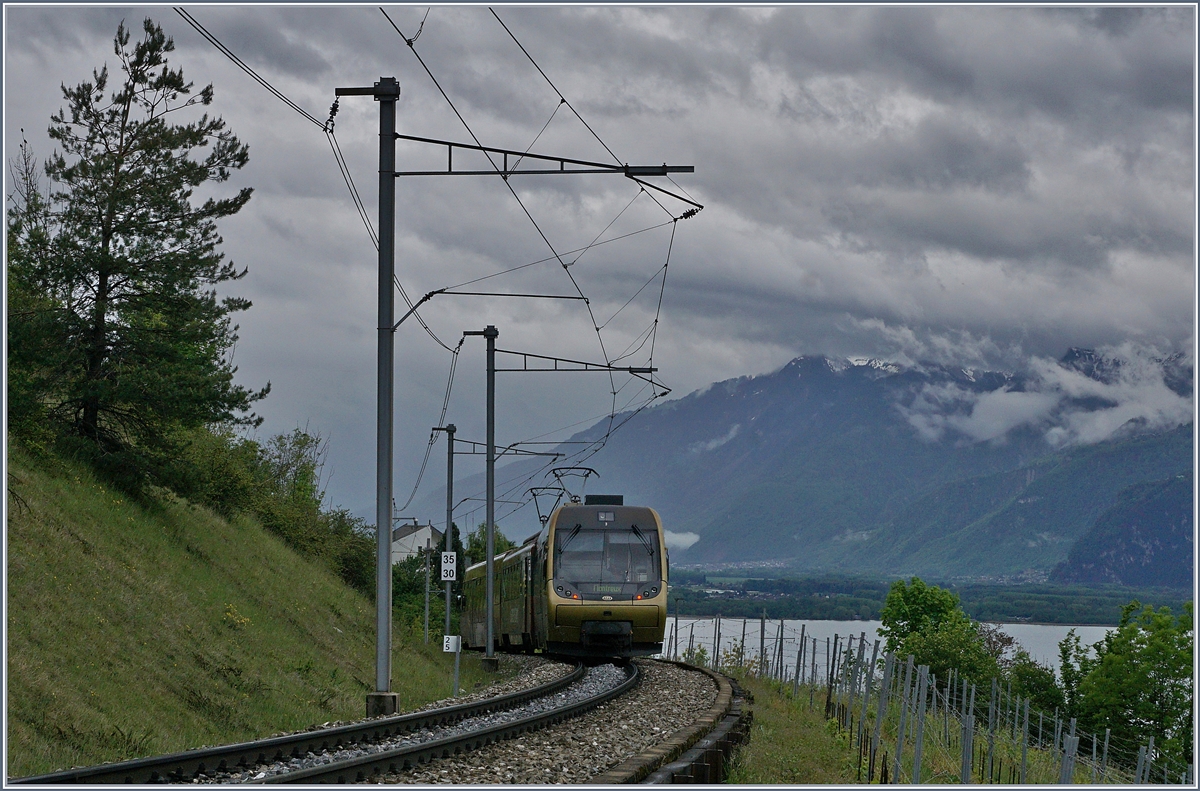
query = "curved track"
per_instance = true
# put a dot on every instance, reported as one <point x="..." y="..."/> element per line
<point x="397" y="760"/>
<point x="183" y="767"/>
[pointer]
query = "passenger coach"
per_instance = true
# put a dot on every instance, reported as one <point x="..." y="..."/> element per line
<point x="593" y="582"/>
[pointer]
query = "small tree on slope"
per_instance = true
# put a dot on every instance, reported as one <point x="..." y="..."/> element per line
<point x="119" y="264"/>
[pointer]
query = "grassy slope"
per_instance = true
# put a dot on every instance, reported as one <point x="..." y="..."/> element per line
<point x="790" y="743"/>
<point x="135" y="631"/>
<point x="793" y="744"/>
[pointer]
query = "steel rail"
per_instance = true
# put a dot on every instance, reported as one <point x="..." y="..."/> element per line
<point x="182" y="767"/>
<point x="354" y="770"/>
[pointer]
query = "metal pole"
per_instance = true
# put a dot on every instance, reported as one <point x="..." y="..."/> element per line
<point x="677" y="628"/>
<point x="884" y="690"/>
<point x="428" y="552"/>
<point x="922" y="691"/>
<point x="1025" y="742"/>
<point x="450" y="429"/>
<point x="716" y="657"/>
<point x="491" y="334"/>
<point x="762" y="644"/>
<point x="386" y="92"/>
<point x="457" y="656"/>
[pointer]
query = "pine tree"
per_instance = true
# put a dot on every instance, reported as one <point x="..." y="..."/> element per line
<point x="118" y="265"/>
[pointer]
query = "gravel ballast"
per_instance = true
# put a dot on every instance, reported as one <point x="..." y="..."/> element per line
<point x="595" y="681"/>
<point x="669" y="698"/>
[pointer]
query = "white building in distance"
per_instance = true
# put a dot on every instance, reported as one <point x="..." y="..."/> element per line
<point x="409" y="540"/>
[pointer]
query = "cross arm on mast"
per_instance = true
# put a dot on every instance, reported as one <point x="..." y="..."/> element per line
<point x="579" y="366"/>
<point x="580" y="166"/>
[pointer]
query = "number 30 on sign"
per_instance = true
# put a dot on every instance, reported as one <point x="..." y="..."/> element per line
<point x="449" y="566"/>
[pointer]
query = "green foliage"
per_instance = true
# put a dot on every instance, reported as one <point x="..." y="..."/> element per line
<point x="952" y="642"/>
<point x="1058" y="603"/>
<point x="789" y="742"/>
<point x="117" y="339"/>
<point x="696" y="655"/>
<point x="1141" y="682"/>
<point x="408" y="588"/>
<point x="916" y="607"/>
<point x="477" y="543"/>
<point x="844" y="598"/>
<point x="1033" y="680"/>
<point x="279" y="484"/>
<point x="1075" y="662"/>
<point x="140" y="630"/>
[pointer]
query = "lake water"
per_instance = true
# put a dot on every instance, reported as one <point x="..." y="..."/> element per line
<point x="1040" y="640"/>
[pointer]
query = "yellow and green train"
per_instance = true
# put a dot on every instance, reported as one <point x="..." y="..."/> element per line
<point x="592" y="583"/>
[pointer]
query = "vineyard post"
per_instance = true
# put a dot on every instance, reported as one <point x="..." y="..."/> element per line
<point x="991" y="737"/>
<point x="812" y="676"/>
<point x="799" y="663"/>
<point x="922" y="691"/>
<point x="1104" y="758"/>
<point x="908" y="667"/>
<point x="717" y="644"/>
<point x="830" y="666"/>
<point x="881" y="708"/>
<point x="862" y="718"/>
<point x="762" y="642"/>
<point x="803" y="649"/>
<point x="779" y="652"/>
<point x="1093" y="759"/>
<point x="968" y="748"/>
<point x="1024" y="741"/>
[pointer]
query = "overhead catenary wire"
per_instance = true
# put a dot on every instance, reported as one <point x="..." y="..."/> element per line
<point x="433" y="435"/>
<point x="507" y="183"/>
<point x="555" y="253"/>
<point x="241" y="64"/>
<point x="553" y="86"/>
<point x="566" y="252"/>
<point x="327" y="128"/>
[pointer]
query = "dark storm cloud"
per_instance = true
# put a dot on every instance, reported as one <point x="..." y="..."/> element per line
<point x="982" y="184"/>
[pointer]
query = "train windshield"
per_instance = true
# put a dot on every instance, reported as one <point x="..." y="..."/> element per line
<point x="615" y="556"/>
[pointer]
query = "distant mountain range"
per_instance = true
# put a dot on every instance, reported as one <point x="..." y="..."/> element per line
<point x="872" y="467"/>
<point x="1147" y="537"/>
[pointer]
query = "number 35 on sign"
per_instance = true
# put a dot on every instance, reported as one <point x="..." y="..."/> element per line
<point x="449" y="566"/>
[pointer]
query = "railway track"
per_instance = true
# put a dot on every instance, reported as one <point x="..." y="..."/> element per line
<point x="222" y="763"/>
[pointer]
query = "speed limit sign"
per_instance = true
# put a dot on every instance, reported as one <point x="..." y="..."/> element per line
<point x="449" y="566"/>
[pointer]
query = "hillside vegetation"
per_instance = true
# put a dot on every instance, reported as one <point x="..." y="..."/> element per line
<point x="138" y="629"/>
<point x="1147" y="535"/>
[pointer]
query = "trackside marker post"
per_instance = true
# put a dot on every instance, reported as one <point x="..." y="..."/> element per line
<point x="452" y="643"/>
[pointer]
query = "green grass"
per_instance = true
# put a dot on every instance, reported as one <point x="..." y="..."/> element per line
<point x="789" y="743"/>
<point x="137" y="630"/>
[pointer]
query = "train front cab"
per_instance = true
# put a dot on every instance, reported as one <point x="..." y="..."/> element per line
<point x="600" y="571"/>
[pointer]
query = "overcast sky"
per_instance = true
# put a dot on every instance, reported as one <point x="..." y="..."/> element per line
<point x="976" y="186"/>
